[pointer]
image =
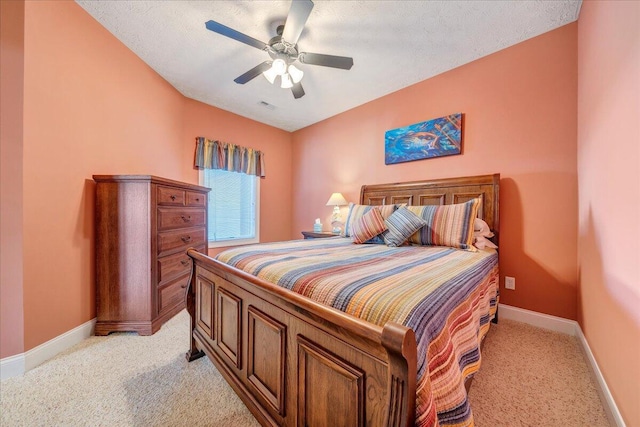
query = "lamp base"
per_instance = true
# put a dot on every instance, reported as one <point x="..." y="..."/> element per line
<point x="336" y="230"/>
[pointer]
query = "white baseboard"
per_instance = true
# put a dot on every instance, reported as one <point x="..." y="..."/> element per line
<point x="544" y="321"/>
<point x="12" y="366"/>
<point x="610" y="406"/>
<point x="569" y="327"/>
<point x="19" y="364"/>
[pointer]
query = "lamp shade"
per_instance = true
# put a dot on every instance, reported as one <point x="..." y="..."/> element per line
<point x="279" y="66"/>
<point x="337" y="199"/>
<point x="286" y="82"/>
<point x="295" y="73"/>
<point x="270" y="75"/>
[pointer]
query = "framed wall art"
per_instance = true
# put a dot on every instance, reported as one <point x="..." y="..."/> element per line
<point x="433" y="138"/>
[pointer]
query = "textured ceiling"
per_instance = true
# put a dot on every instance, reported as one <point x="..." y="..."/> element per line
<point x="393" y="44"/>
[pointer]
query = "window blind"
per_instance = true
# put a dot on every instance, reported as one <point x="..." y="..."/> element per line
<point x="232" y="205"/>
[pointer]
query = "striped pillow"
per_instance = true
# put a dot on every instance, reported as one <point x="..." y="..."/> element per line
<point x="357" y="211"/>
<point x="401" y="224"/>
<point x="447" y="225"/>
<point x="368" y="226"/>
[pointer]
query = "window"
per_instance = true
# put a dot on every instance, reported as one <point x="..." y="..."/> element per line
<point x="233" y="207"/>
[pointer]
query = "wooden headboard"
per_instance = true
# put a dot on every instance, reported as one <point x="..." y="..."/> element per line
<point x="441" y="192"/>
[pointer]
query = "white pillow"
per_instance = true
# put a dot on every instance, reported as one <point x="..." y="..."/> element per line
<point x="482" y="242"/>
<point x="481" y="232"/>
<point x="481" y="228"/>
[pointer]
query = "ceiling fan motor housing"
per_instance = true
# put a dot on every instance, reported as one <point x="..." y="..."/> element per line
<point x="280" y="48"/>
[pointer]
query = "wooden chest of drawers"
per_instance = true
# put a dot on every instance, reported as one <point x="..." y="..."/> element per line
<point x="144" y="225"/>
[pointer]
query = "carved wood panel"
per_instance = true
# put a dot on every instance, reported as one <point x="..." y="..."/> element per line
<point x="330" y="390"/>
<point x="376" y="201"/>
<point x="466" y="196"/>
<point x="266" y="358"/>
<point x="229" y="325"/>
<point x="204" y="305"/>
<point x="431" y="199"/>
<point x="406" y="199"/>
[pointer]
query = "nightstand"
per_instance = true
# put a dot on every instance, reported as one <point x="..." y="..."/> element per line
<point x="320" y="235"/>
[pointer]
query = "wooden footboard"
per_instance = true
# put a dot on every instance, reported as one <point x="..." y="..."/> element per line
<point x="295" y="362"/>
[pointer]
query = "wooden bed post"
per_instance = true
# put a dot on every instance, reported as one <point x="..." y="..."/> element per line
<point x="193" y="352"/>
<point x="400" y="343"/>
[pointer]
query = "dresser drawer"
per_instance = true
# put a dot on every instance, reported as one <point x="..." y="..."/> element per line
<point x="173" y="266"/>
<point x="180" y="240"/>
<point x="169" y="218"/>
<point x="170" y="196"/>
<point x="173" y="293"/>
<point x="196" y="199"/>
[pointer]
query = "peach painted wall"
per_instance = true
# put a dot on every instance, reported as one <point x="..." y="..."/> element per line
<point x="609" y="194"/>
<point x="11" y="134"/>
<point x="91" y="106"/>
<point x="275" y="189"/>
<point x="520" y="121"/>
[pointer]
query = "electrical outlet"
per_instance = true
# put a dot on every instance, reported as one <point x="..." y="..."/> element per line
<point x="510" y="283"/>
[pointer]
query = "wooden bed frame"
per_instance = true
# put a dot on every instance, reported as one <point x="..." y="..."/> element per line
<point x="295" y="362"/>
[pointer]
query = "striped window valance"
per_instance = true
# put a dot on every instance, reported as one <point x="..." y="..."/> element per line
<point x="220" y="155"/>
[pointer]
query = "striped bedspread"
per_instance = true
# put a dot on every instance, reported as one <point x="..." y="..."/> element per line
<point x="447" y="296"/>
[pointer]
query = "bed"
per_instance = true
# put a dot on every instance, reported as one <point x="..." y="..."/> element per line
<point x="299" y="361"/>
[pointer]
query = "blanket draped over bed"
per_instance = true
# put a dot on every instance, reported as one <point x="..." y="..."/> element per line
<point x="447" y="296"/>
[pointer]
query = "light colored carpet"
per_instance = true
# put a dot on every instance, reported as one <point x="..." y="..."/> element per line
<point x="124" y="380"/>
<point x="534" y="377"/>
<point x="529" y="377"/>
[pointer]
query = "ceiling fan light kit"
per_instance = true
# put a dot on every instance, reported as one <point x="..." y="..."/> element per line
<point x="279" y="66"/>
<point x="270" y="75"/>
<point x="283" y="50"/>
<point x="286" y="82"/>
<point x="295" y="73"/>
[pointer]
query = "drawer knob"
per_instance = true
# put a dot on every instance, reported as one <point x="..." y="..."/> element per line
<point x="184" y="262"/>
<point x="186" y="218"/>
<point x="197" y="199"/>
<point x="186" y="238"/>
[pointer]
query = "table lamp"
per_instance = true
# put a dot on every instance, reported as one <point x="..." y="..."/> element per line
<point x="336" y="200"/>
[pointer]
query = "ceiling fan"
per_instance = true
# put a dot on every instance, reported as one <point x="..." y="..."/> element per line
<point x="283" y="50"/>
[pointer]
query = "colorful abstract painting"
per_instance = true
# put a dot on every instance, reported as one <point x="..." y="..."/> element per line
<point x="433" y="138"/>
